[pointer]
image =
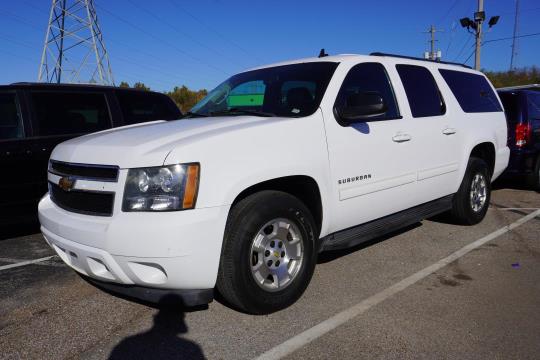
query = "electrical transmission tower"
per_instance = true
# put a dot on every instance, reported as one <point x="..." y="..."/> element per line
<point x="74" y="51"/>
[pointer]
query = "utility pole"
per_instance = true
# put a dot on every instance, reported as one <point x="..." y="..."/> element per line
<point x="476" y="25"/>
<point x="514" y="40"/>
<point x="479" y="17"/>
<point x="433" y="54"/>
<point x="74" y="50"/>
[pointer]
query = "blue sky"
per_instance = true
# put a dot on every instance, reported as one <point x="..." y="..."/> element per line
<point x="167" y="43"/>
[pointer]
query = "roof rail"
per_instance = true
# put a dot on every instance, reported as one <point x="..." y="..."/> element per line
<point x="420" y="59"/>
<point x="520" y="87"/>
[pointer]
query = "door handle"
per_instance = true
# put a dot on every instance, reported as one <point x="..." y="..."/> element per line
<point x="399" y="137"/>
<point x="449" y="131"/>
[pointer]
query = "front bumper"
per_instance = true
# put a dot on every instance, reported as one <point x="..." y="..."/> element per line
<point x="189" y="297"/>
<point x="170" y="251"/>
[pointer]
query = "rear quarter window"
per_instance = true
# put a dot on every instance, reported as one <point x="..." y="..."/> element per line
<point x="138" y="107"/>
<point x="472" y="91"/>
<point x="63" y="113"/>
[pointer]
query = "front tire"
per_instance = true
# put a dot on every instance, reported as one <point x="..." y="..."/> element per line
<point x="268" y="254"/>
<point x="471" y="202"/>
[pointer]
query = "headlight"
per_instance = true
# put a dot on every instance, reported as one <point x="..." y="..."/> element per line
<point x="164" y="188"/>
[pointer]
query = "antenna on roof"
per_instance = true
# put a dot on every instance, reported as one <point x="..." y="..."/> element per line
<point x="322" y="53"/>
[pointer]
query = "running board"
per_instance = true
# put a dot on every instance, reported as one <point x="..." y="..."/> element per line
<point x="376" y="228"/>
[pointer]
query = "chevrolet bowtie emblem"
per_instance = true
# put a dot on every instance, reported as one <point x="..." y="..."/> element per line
<point x="66" y="183"/>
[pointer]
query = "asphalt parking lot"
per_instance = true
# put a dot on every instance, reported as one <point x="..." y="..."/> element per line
<point x="434" y="290"/>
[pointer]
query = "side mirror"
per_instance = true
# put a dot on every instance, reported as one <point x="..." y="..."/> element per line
<point x="361" y="107"/>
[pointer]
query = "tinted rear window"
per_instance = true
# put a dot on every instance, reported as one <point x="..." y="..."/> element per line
<point x="511" y="106"/>
<point x="472" y="91"/>
<point x="61" y="113"/>
<point x="422" y="92"/>
<point x="140" y="107"/>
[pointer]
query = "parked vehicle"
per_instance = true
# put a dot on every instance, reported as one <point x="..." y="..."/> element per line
<point x="522" y="107"/>
<point x="275" y="165"/>
<point x="35" y="117"/>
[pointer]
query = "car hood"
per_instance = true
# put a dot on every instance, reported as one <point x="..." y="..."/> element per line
<point x="148" y="144"/>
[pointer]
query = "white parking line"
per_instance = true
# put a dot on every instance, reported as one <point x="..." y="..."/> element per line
<point x="330" y="324"/>
<point x="515" y="208"/>
<point x="16" y="261"/>
<point x="27" y="262"/>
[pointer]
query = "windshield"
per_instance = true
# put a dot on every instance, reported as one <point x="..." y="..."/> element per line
<point x="289" y="91"/>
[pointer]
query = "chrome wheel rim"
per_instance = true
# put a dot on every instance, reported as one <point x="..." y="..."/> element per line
<point x="478" y="193"/>
<point x="277" y="253"/>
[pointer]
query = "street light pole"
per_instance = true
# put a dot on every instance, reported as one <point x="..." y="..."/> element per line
<point x="478" y="18"/>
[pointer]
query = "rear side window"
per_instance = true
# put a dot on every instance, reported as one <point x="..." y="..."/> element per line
<point x="472" y="91"/>
<point x="138" y="107"/>
<point x="11" y="126"/>
<point x="62" y="113"/>
<point x="422" y="92"/>
<point x="533" y="104"/>
<point x="369" y="77"/>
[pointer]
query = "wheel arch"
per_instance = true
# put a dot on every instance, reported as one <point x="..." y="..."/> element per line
<point x="303" y="187"/>
<point x="485" y="151"/>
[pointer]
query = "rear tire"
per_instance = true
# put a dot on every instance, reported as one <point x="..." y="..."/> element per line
<point x="268" y="254"/>
<point x="471" y="202"/>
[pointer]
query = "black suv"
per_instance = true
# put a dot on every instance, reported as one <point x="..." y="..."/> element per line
<point x="522" y="106"/>
<point x="35" y="117"/>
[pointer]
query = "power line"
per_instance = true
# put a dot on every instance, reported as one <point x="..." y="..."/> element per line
<point x="134" y="49"/>
<point x="472" y="53"/>
<point x="225" y="38"/>
<point x="463" y="47"/>
<point x="157" y="38"/>
<point x="511" y="37"/>
<point x="20" y="19"/>
<point x="175" y="28"/>
<point x="156" y="58"/>
<point x="448" y="12"/>
<point x="452" y="36"/>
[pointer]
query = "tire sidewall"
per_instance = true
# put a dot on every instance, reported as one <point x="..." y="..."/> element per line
<point x="476" y="166"/>
<point x="243" y="231"/>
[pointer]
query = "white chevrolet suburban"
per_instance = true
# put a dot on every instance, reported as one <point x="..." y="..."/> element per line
<point x="275" y="165"/>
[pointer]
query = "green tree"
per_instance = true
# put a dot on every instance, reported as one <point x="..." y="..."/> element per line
<point x="186" y="98"/>
<point x="141" y="85"/>
<point x="515" y="77"/>
<point x="123" y="84"/>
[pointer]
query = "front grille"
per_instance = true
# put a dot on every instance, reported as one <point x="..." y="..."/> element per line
<point x="89" y="172"/>
<point x="83" y="202"/>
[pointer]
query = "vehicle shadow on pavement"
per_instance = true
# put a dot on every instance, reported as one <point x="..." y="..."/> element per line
<point x="509" y="183"/>
<point x="164" y="340"/>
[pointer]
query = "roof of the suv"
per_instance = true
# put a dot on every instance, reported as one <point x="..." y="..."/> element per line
<point x="65" y="86"/>
<point x="358" y="57"/>
<point x="535" y="87"/>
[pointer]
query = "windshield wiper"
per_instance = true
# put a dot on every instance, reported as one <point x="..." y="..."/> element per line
<point x="190" y="114"/>
<point x="238" y="111"/>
